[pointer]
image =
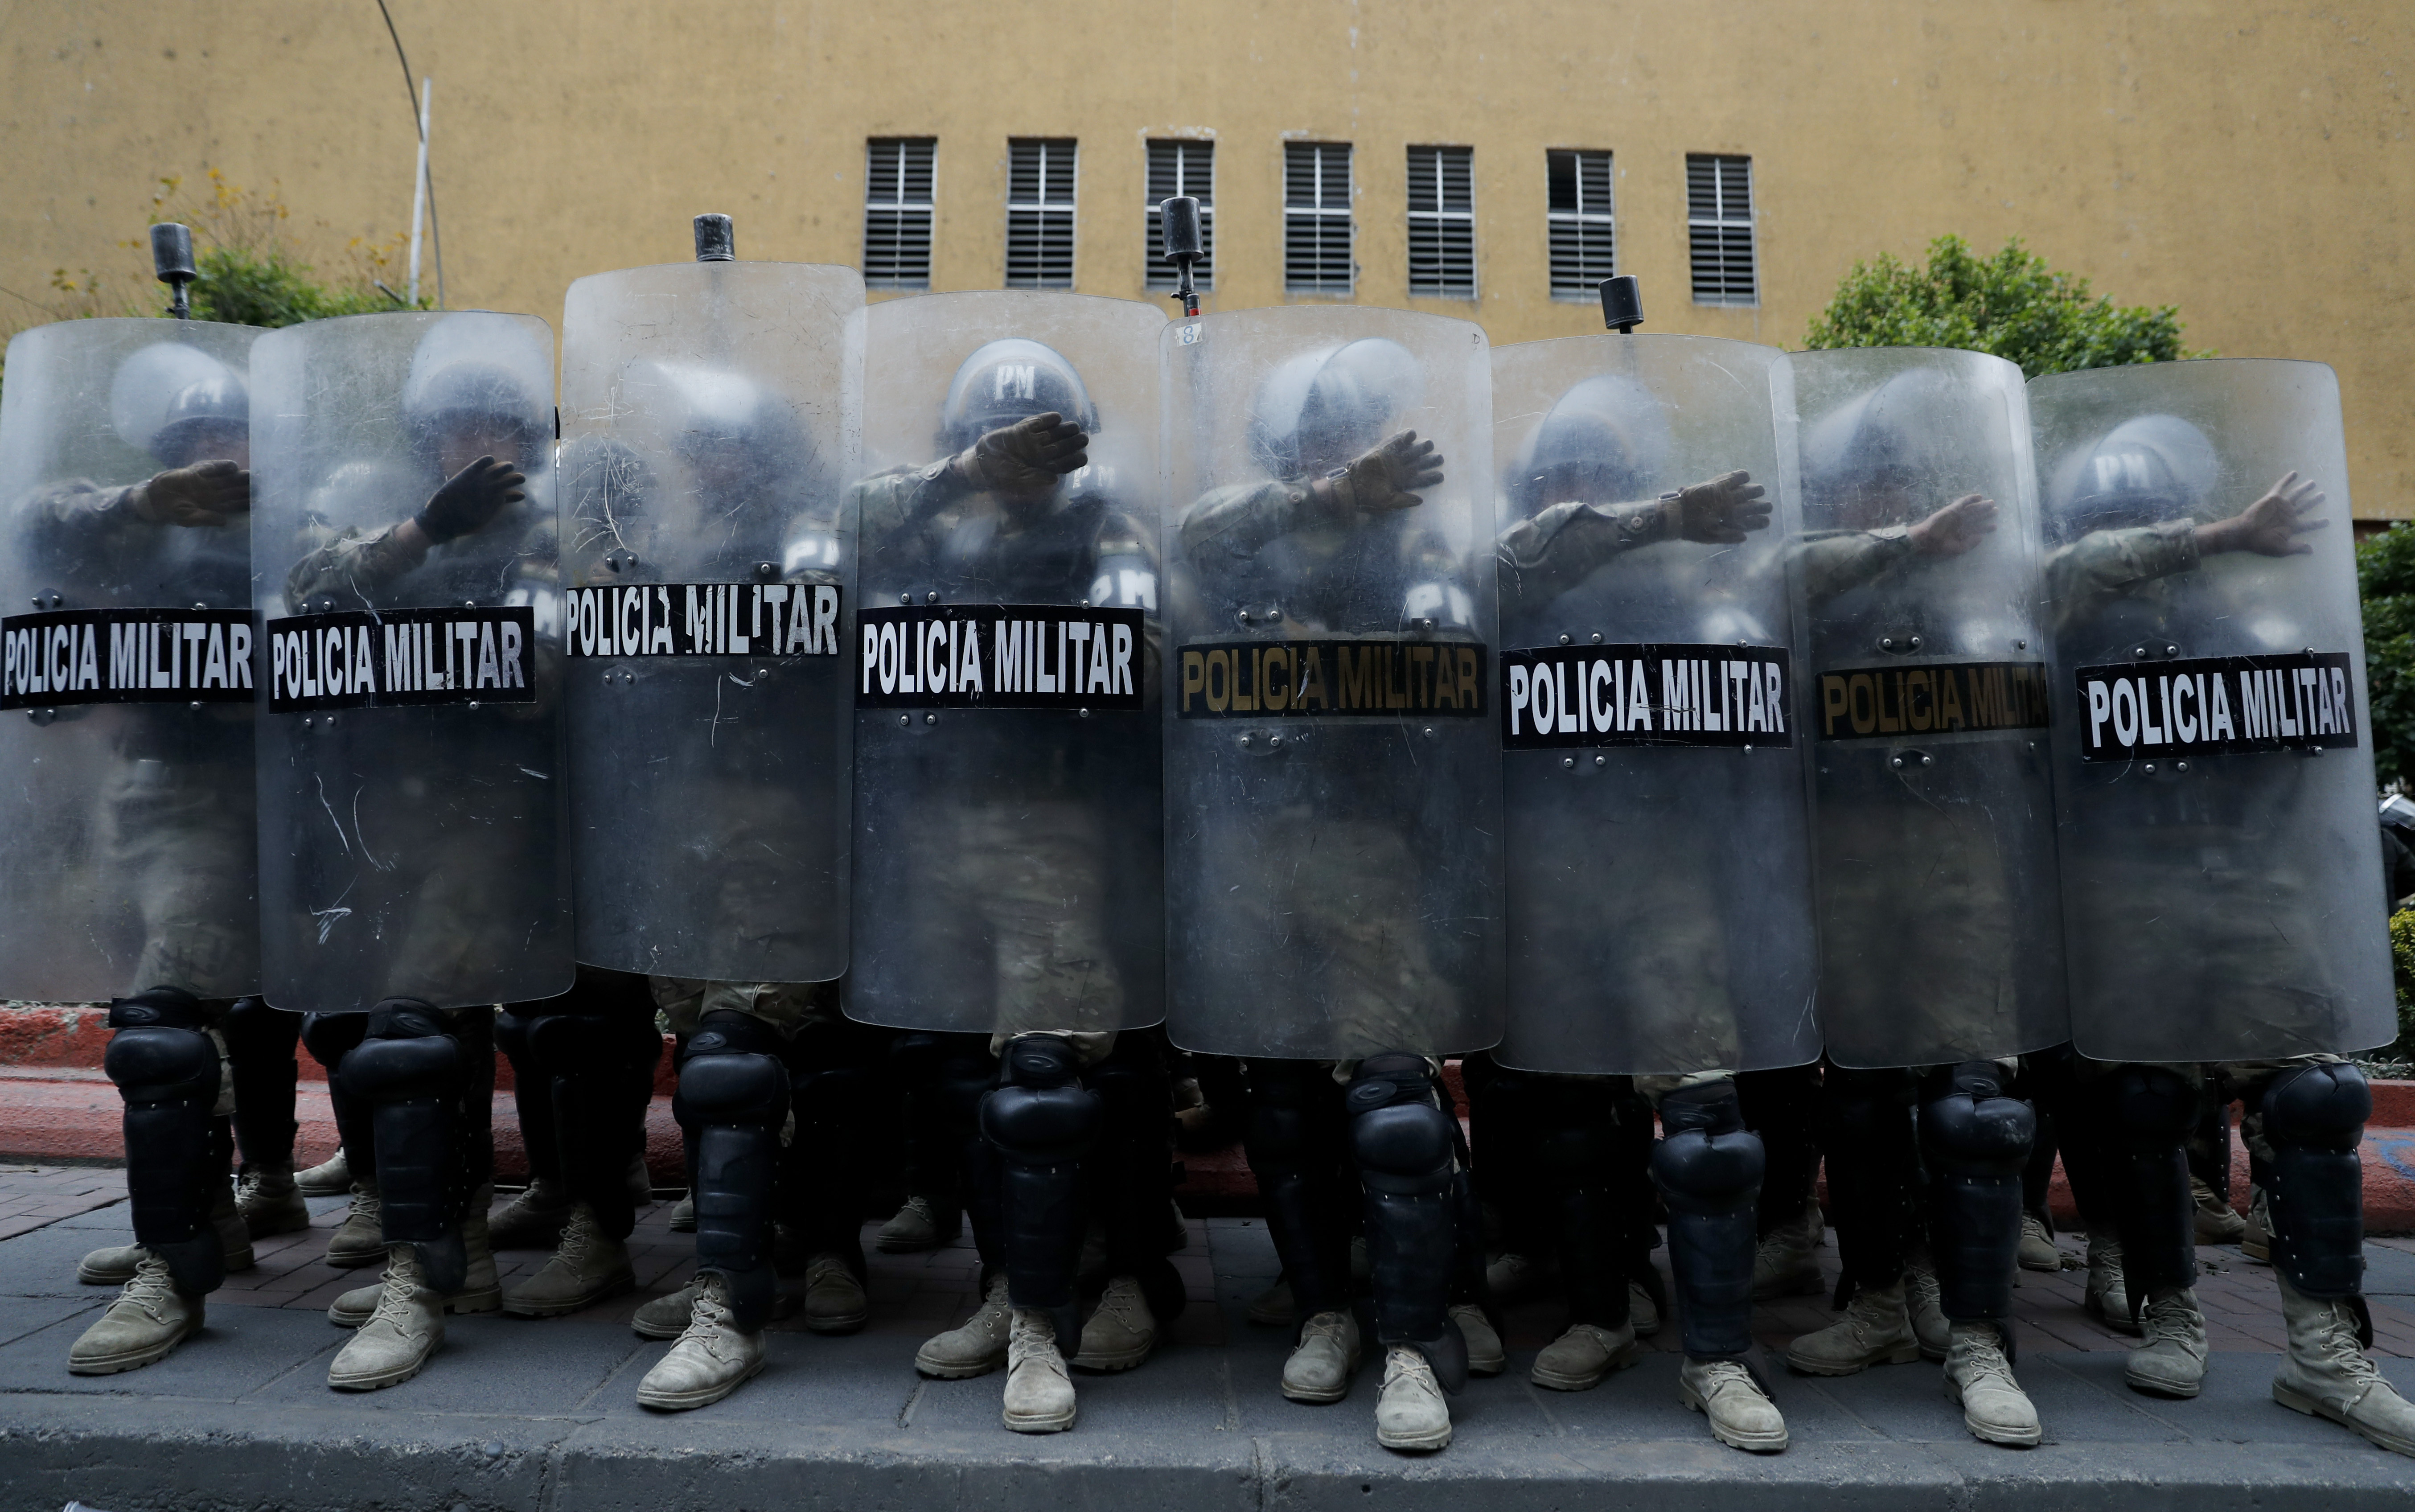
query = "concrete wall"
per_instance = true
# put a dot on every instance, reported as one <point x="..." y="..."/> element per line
<point x="2248" y="162"/>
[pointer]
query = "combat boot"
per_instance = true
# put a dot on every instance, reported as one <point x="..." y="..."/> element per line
<point x="683" y="1219"/>
<point x="2171" y="1363"/>
<point x="151" y="1317"/>
<point x="2216" y="1221"/>
<point x="482" y="1289"/>
<point x="1876" y="1329"/>
<point x="1786" y="1262"/>
<point x="1643" y="1311"/>
<point x="330" y="1178"/>
<point x="268" y="1201"/>
<point x="2326" y="1372"/>
<point x="115" y="1265"/>
<point x="974" y="1347"/>
<point x="1120" y="1334"/>
<point x="360" y="1239"/>
<point x="641" y="1181"/>
<point x="835" y="1299"/>
<point x="1582" y="1357"/>
<point x="2038" y="1250"/>
<point x="919" y="1225"/>
<point x="587" y="1268"/>
<point x="1324" y="1360"/>
<point x="1741" y="1413"/>
<point x="1485" y="1356"/>
<point x="397" y="1341"/>
<point x="713" y="1357"/>
<point x="1412" y="1414"/>
<point x="533" y="1218"/>
<point x="1039" y="1393"/>
<point x="1515" y="1275"/>
<point x="667" y="1316"/>
<point x="1978" y="1377"/>
<point x="1925" y="1301"/>
<point x="2106" y="1298"/>
<point x="2255" y="1234"/>
<point x="1275" y="1306"/>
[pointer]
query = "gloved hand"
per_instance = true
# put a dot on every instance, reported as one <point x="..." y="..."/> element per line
<point x="1385" y="477"/>
<point x="1955" y="529"/>
<point x="206" y="493"/>
<point x="1028" y="456"/>
<point x="1719" y="511"/>
<point x="2271" y="526"/>
<point x="470" y="498"/>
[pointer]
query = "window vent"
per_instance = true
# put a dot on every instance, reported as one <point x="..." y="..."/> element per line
<point x="897" y="212"/>
<point x="1719" y="222"/>
<point x="1040" y="212"/>
<point x="1582" y="223"/>
<point x="1316" y="218"/>
<point x="1442" y="223"/>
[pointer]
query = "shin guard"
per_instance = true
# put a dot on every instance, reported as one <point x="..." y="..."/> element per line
<point x="1042" y="1121"/>
<point x="166" y="1067"/>
<point x="1407" y="1151"/>
<point x="2314" y="1119"/>
<point x="732" y="1098"/>
<point x="1708" y="1168"/>
<point x="1977" y="1141"/>
<point x="407" y="1072"/>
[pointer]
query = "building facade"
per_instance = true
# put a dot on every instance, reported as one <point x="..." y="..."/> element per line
<point x="2249" y="163"/>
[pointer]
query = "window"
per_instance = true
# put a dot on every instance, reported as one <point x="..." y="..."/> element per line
<point x="1718" y="221"/>
<point x="1040" y="212"/>
<point x="1580" y="218"/>
<point x="897" y="212"/>
<point x="1316" y="218"/>
<point x="1182" y="168"/>
<point x="1442" y="223"/>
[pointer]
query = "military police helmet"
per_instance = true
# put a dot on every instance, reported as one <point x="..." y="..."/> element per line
<point x="2146" y="471"/>
<point x="1603" y="442"/>
<point x="1320" y="409"/>
<point x="1008" y="380"/>
<point x="179" y="404"/>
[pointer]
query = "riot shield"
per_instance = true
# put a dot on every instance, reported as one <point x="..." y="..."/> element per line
<point x="1940" y="928"/>
<point x="1007" y="804"/>
<point x="1333" y="852"/>
<point x="411" y="762"/>
<point x="1658" y="863"/>
<point x="710" y="427"/>
<point x="2214" y="776"/>
<point x="127" y="856"/>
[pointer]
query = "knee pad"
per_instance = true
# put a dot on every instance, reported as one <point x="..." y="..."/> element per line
<point x="154" y="1063"/>
<point x="250" y="1022"/>
<point x="330" y="1036"/>
<point x="2319" y="1108"/>
<point x="1978" y="1142"/>
<point x="169" y="1007"/>
<point x="382" y="1070"/>
<point x="728" y="1086"/>
<point x="1974" y="1130"/>
<point x="1040" y="1125"/>
<point x="1708" y="1167"/>
<point x="1698" y="1171"/>
<point x="2152" y="1106"/>
<point x="1403" y="1148"/>
<point x="2314" y="1119"/>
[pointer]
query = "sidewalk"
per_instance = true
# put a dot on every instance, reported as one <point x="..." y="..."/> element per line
<point x="514" y="1414"/>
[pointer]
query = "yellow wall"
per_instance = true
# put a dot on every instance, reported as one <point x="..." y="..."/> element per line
<point x="2248" y="162"/>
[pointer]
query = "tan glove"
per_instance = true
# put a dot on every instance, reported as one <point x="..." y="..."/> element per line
<point x="1385" y="477"/>
<point x="205" y="494"/>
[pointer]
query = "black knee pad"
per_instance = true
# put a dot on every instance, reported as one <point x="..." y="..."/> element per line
<point x="1041" y="1125"/>
<point x="1978" y="1143"/>
<point x="1042" y="1121"/>
<point x="409" y="1073"/>
<point x="2153" y="1106"/>
<point x="731" y="1100"/>
<point x="1707" y="1162"/>
<point x="2314" y="1119"/>
<point x="166" y="1069"/>
<point x="1406" y="1149"/>
<point x="1708" y="1168"/>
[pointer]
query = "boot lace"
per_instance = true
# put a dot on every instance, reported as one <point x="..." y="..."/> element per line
<point x="1123" y="1302"/>
<point x="1412" y="1367"/>
<point x="403" y="1281"/>
<point x="1920" y="1290"/>
<point x="1033" y="1341"/>
<point x="2172" y="1316"/>
<point x="578" y="1235"/>
<point x="708" y="1316"/>
<point x="1715" y="1378"/>
<point x="2336" y="1346"/>
<point x="1979" y="1361"/>
<point x="152" y="1287"/>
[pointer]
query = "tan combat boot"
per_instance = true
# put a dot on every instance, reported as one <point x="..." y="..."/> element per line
<point x="588" y="1266"/>
<point x="360" y="1238"/>
<point x="533" y="1219"/>
<point x="330" y="1178"/>
<point x="917" y="1226"/>
<point x="1121" y="1333"/>
<point x="711" y="1359"/>
<point x="1582" y="1356"/>
<point x="975" y="1347"/>
<point x="1740" y="1413"/>
<point x="1324" y="1360"/>
<point x="2217" y="1223"/>
<point x="399" y="1337"/>
<point x="1039" y="1392"/>
<point x="2106" y="1298"/>
<point x="2327" y="1373"/>
<point x="1978" y="1377"/>
<point x="1876" y="1329"/>
<point x="1412" y="1414"/>
<point x="2171" y="1362"/>
<point x="146" y="1322"/>
<point x="835" y="1299"/>
<point x="1787" y="1261"/>
<point x="267" y="1201"/>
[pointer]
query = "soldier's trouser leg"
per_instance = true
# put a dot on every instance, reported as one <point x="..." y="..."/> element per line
<point x="834" y="1087"/>
<point x="532" y="1088"/>
<point x="1977" y="1142"/>
<point x="2209" y="1148"/>
<point x="2146" y="1112"/>
<point x="260" y="1042"/>
<point x="2314" y="1118"/>
<point x="411" y="1073"/>
<point x="329" y="1038"/>
<point x="1577" y="1148"/>
<point x="1130" y="1170"/>
<point x="1873" y="1156"/>
<point x="732" y="1098"/>
<point x="1294" y="1140"/>
<point x="965" y="1073"/>
<point x="166" y="1067"/>
<point x="1042" y="1121"/>
<point x="1708" y="1167"/>
<point x="933" y="1155"/>
<point x="1783" y="1108"/>
<point x="590" y="1053"/>
<point x="1407" y="1150"/>
<point x="1501" y="1142"/>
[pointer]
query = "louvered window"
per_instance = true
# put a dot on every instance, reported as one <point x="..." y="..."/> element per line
<point x="1040" y="212"/>
<point x="1182" y="168"/>
<point x="1316" y="218"/>
<point x="897" y="212"/>
<point x="1442" y="223"/>
<point x="1719" y="221"/>
<point x="1580" y="222"/>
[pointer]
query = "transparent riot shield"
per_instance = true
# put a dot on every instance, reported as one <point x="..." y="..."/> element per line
<point x="711" y="414"/>
<point x="410" y="755"/>
<point x="2214" y="767"/>
<point x="127" y="856"/>
<point x="1333" y="800"/>
<point x="1659" y="863"/>
<point x="1940" y="928"/>
<point x="1008" y="810"/>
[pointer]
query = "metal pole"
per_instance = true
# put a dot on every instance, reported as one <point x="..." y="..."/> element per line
<point x="419" y="191"/>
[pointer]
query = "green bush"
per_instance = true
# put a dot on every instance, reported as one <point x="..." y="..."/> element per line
<point x="2385" y="577"/>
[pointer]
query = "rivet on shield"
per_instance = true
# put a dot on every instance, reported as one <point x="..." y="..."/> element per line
<point x="1748" y="750"/>
<point x="2021" y="645"/>
<point x="1274" y="617"/>
<point x="930" y="719"/>
<point x="2138" y="654"/>
<point x="1566" y="639"/>
<point x="473" y="703"/>
<point x="1429" y="733"/>
<point x="766" y="570"/>
<point x="1601" y="761"/>
<point x="931" y="597"/>
<point x="1925" y="760"/>
<point x="904" y="598"/>
<point x="1597" y="637"/>
<point x="904" y="719"/>
<point x="2171" y="651"/>
<point x="1915" y="643"/>
<point x="200" y="605"/>
<point x="2314" y="750"/>
<point x="1083" y="712"/>
<point x="197" y="703"/>
<point x="1273" y="741"/>
<point x="306" y="722"/>
<point x="1567" y="763"/>
<point x="1247" y="617"/>
<point x="1896" y="762"/>
<point x="1886" y="643"/>
<point x="2180" y="766"/>
<point x="2150" y="767"/>
<point x="468" y="603"/>
<point x="1245" y="741"/>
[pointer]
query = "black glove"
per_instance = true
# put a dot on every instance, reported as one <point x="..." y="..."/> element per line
<point x="1719" y="512"/>
<point x="1385" y="477"/>
<point x="206" y="493"/>
<point x="1029" y="455"/>
<point x="470" y="498"/>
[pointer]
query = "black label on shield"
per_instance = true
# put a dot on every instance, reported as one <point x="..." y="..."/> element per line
<point x="704" y="620"/>
<point x="1555" y="698"/>
<point x="2213" y="705"/>
<point x="86" y="656"/>
<point x="1311" y="679"/>
<point x="1887" y="703"/>
<point x="400" y="657"/>
<point x="999" y="656"/>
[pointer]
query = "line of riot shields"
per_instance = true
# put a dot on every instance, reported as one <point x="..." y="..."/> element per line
<point x="1319" y="680"/>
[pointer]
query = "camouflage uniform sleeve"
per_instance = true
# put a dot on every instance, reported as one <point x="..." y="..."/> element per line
<point x="2083" y="578"/>
<point x="1829" y="565"/>
<point x="351" y="569"/>
<point x="894" y="502"/>
<point x="67" y="513"/>
<point x="1560" y="546"/>
<point x="1229" y="526"/>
